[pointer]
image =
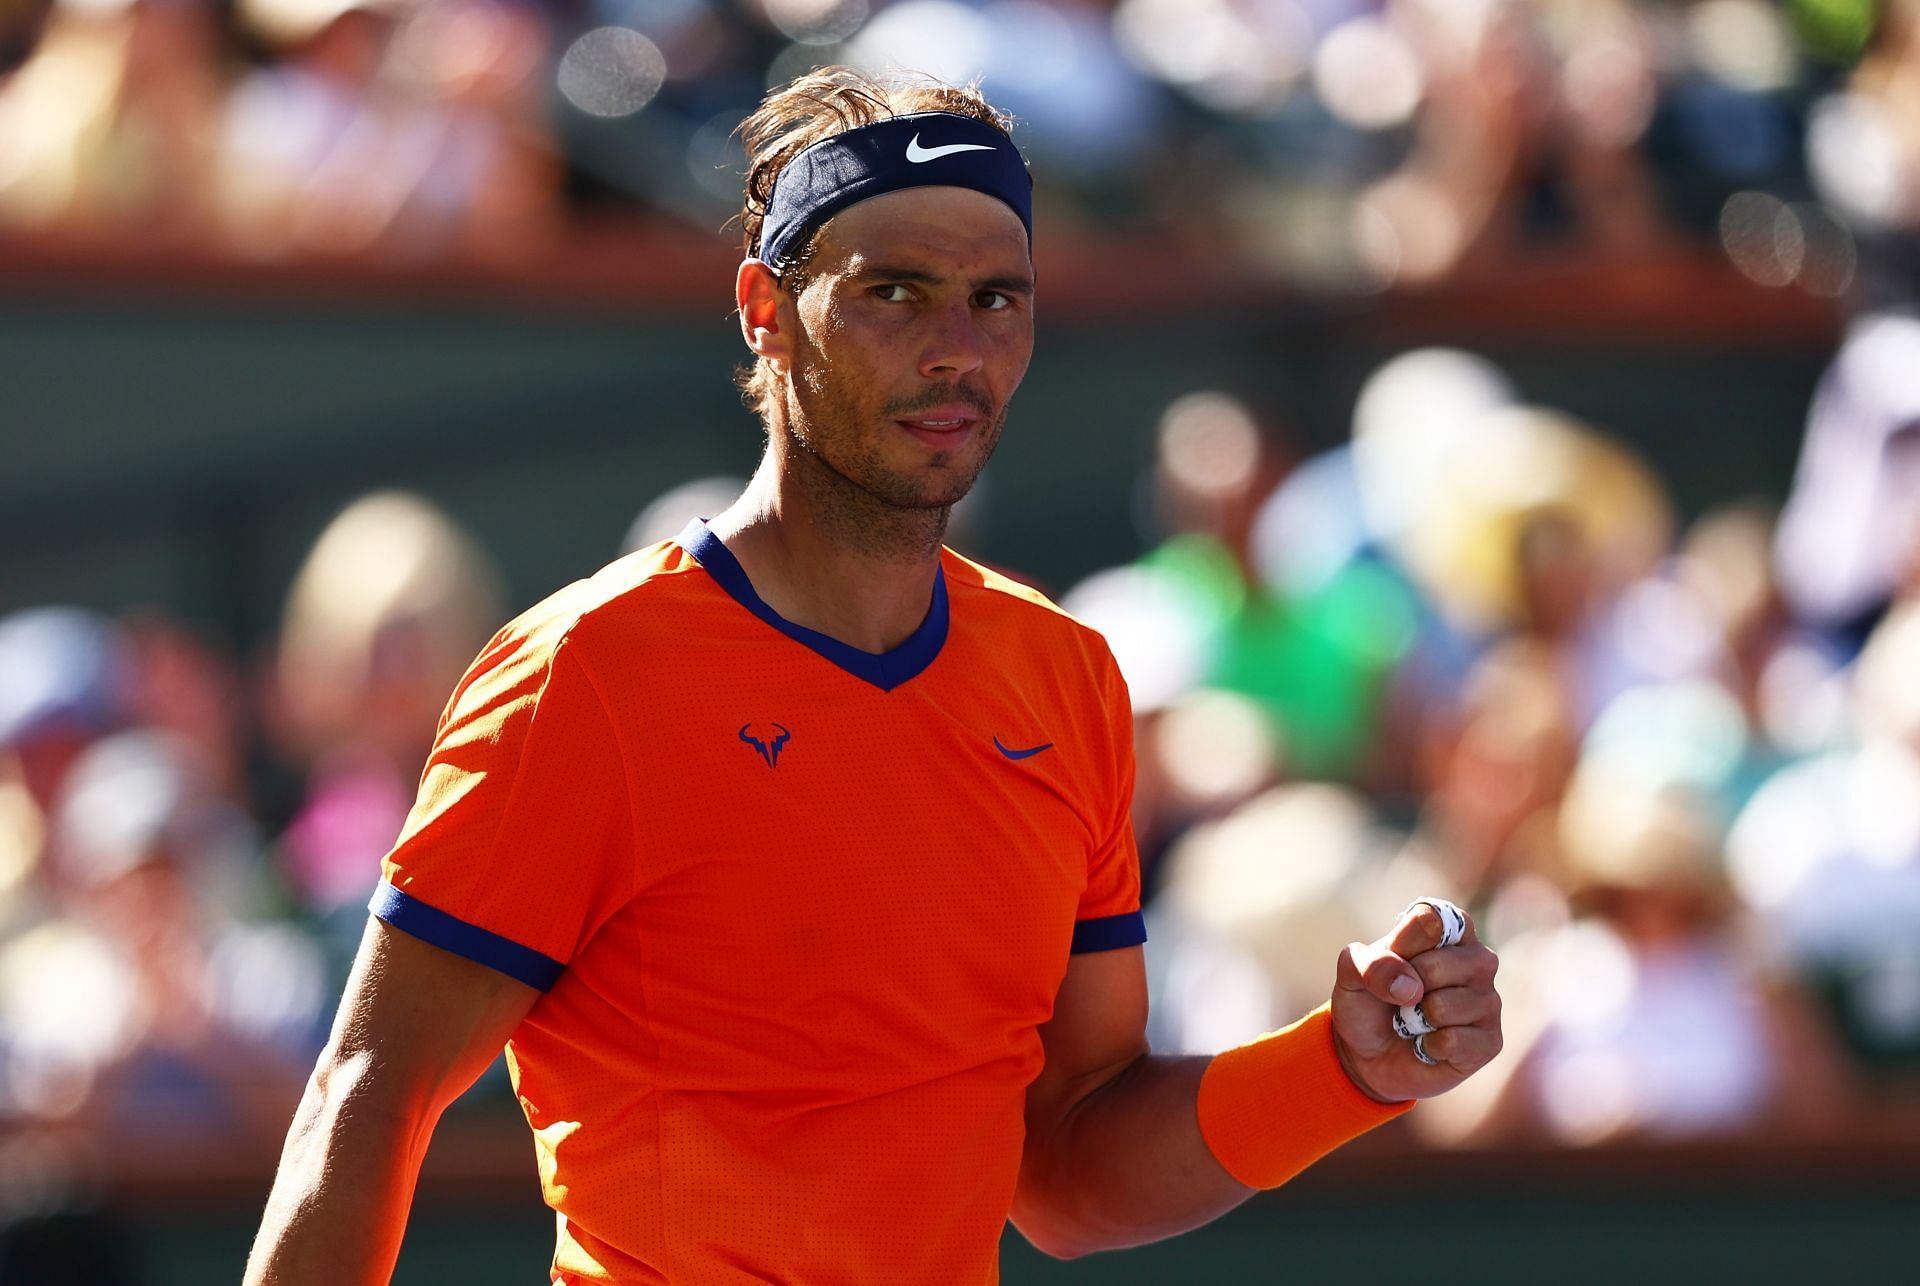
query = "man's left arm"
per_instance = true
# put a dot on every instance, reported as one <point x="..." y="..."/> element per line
<point x="1125" y="1147"/>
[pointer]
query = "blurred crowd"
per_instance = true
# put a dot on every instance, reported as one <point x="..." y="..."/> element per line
<point x="1674" y="771"/>
<point x="1672" y="767"/>
<point x="1341" y="145"/>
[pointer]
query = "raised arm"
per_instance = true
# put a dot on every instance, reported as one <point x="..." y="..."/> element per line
<point x="1114" y="1155"/>
<point x="1125" y="1147"/>
<point x="417" y="1025"/>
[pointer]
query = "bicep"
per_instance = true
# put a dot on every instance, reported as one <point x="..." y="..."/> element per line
<point x="418" y="1024"/>
<point x="1097" y="1031"/>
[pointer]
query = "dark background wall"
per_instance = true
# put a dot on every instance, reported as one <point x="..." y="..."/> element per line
<point x="1517" y="1222"/>
<point x="183" y="452"/>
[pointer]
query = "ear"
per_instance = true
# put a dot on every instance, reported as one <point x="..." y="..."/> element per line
<point x="757" y="292"/>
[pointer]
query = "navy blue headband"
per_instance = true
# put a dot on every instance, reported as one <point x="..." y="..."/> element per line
<point x="927" y="149"/>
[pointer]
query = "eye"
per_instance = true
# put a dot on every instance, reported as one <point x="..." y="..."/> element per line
<point x="992" y="300"/>
<point x="893" y="293"/>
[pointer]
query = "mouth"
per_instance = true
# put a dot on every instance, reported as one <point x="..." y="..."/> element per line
<point x="944" y="427"/>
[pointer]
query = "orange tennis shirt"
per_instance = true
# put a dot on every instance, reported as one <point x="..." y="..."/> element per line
<point x="797" y="910"/>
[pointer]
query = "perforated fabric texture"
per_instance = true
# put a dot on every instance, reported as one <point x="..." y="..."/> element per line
<point x="803" y="927"/>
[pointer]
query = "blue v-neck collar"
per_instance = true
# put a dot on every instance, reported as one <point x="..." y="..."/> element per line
<point x="885" y="670"/>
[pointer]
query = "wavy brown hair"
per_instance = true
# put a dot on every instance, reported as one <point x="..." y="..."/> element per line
<point x="819" y="105"/>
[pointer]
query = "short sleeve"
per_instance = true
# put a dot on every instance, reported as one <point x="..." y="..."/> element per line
<point x="1109" y="915"/>
<point x="520" y="843"/>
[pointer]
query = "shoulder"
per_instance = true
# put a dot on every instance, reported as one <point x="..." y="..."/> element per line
<point x="1018" y="613"/>
<point x="997" y="592"/>
<point x="617" y="604"/>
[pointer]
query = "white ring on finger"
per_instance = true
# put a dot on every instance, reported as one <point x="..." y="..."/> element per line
<point x="1453" y="921"/>
<point x="1411" y="1020"/>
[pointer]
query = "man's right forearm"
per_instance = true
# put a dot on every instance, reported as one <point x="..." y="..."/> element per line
<point x="346" y="1177"/>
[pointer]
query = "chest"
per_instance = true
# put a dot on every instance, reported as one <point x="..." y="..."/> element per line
<point x="828" y="856"/>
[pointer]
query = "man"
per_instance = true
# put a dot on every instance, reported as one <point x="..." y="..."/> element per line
<point x="790" y="859"/>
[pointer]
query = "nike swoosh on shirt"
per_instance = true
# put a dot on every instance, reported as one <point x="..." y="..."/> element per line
<point x="921" y="155"/>
<point x="1028" y="753"/>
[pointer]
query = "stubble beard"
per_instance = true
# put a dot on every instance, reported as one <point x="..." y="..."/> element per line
<point x="870" y="506"/>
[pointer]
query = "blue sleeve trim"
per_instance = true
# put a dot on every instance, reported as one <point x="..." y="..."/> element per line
<point x="1109" y="932"/>
<point x="435" y="927"/>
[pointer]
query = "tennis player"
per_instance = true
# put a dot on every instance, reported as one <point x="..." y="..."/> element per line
<point x="790" y="860"/>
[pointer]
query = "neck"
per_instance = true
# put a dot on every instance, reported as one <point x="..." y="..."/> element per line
<point x="828" y="555"/>
<point x="851" y="519"/>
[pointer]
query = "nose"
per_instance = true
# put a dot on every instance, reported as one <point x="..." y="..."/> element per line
<point x="953" y="348"/>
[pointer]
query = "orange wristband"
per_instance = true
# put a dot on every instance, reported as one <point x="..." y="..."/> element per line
<point x="1271" y="1108"/>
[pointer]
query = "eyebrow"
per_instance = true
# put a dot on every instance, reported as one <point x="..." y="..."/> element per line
<point x="1014" y="283"/>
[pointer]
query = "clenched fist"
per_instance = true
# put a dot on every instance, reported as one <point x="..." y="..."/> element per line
<point x="1453" y="985"/>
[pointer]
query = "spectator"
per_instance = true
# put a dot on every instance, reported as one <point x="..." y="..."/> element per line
<point x="392" y="603"/>
<point x="155" y="1015"/>
<point x="1851" y="531"/>
<point x="1651" y="1015"/>
<point x="1827" y="855"/>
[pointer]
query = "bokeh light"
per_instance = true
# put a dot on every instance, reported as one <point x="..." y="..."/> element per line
<point x="938" y="37"/>
<point x="1742" y="43"/>
<point x="1209" y="443"/>
<point x="611" y="71"/>
<point x="1857" y="161"/>
<point x="1762" y="237"/>
<point x="1830" y="258"/>
<point x="816" y="22"/>
<point x="1235" y="58"/>
<point x="1366" y="75"/>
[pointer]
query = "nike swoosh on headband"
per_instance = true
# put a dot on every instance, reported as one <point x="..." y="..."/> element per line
<point x="921" y="155"/>
<point x="872" y="160"/>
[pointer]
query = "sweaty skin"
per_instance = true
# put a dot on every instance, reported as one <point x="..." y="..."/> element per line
<point x="917" y="307"/>
<point x="894" y="365"/>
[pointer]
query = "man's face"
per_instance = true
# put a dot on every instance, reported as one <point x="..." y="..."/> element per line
<point x="914" y="327"/>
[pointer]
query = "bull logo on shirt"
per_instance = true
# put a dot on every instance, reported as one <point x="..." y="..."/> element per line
<point x="769" y="750"/>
